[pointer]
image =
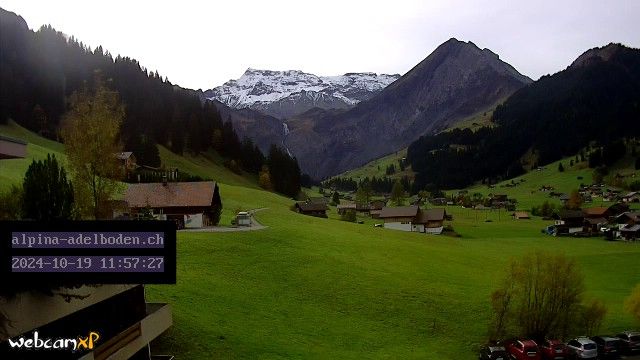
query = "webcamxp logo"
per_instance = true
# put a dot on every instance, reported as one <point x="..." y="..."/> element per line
<point x="72" y="344"/>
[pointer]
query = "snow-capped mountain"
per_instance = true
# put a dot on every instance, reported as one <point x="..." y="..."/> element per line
<point x="286" y="93"/>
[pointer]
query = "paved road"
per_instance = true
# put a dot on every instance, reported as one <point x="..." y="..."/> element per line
<point x="255" y="225"/>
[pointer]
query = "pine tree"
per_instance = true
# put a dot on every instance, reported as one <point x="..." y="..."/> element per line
<point x="397" y="193"/>
<point x="47" y="193"/>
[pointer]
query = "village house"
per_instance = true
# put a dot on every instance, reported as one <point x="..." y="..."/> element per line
<point x="318" y="210"/>
<point x="412" y="218"/>
<point x="432" y="220"/>
<point x="521" y="215"/>
<point x="632" y="197"/>
<point x="570" y="222"/>
<point x="344" y="207"/>
<point x="127" y="161"/>
<point x="630" y="232"/>
<point x="12" y="148"/>
<point x="190" y="204"/>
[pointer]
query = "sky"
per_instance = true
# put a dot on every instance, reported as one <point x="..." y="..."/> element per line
<point x="202" y="44"/>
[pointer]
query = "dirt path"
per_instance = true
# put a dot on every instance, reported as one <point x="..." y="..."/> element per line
<point x="255" y="225"/>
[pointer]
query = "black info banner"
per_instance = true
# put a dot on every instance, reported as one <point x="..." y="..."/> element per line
<point x="88" y="252"/>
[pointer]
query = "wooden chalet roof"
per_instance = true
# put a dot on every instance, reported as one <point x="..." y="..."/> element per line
<point x="124" y="155"/>
<point x="595" y="211"/>
<point x="402" y="211"/>
<point x="521" y="215"/>
<point x="172" y="194"/>
<point x="427" y="215"/>
<point x="306" y="207"/>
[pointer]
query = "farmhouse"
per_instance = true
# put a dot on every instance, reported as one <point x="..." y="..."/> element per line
<point x="632" y="197"/>
<point x="344" y="207"/>
<point x="127" y="161"/>
<point x="570" y="222"/>
<point x="412" y="218"/>
<point x="12" y="148"/>
<point x="190" y="204"/>
<point x="630" y="232"/>
<point x="432" y="220"/>
<point x="318" y="210"/>
<point x="521" y="215"/>
<point x="401" y="218"/>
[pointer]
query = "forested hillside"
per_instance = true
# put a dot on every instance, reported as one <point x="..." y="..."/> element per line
<point x="40" y="70"/>
<point x="595" y="101"/>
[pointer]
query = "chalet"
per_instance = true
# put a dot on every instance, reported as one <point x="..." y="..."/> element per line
<point x="438" y="201"/>
<point x="11" y="148"/>
<point x="627" y="218"/>
<point x="521" y="215"/>
<point x="375" y="214"/>
<point x="345" y="207"/>
<point x="190" y="204"/>
<point x="412" y="218"/>
<point x="564" y="198"/>
<point x="499" y="201"/>
<point x="594" y="225"/>
<point x="432" y="220"/>
<point x="127" y="161"/>
<point x="630" y="232"/>
<point x="632" y="197"/>
<point x="401" y="218"/>
<point x="318" y="210"/>
<point x="570" y="222"/>
<point x="377" y="204"/>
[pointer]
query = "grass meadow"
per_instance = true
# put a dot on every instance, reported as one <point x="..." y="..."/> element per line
<point x="322" y="288"/>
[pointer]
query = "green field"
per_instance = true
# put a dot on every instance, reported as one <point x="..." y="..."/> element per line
<point x="378" y="167"/>
<point x="323" y="288"/>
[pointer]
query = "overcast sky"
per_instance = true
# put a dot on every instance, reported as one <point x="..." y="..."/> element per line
<point x="202" y="44"/>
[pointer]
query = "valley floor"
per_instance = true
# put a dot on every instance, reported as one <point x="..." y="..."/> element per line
<point x="322" y="288"/>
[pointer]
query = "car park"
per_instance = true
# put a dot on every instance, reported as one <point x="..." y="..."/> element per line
<point x="608" y="347"/>
<point x="493" y="352"/>
<point x="582" y="348"/>
<point x="553" y="350"/>
<point x="523" y="350"/>
<point x="629" y="342"/>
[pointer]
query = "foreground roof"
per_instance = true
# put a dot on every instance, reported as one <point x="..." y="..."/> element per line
<point x="401" y="211"/>
<point x="172" y="194"/>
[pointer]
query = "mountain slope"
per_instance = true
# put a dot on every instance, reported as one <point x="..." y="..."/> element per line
<point x="456" y="80"/>
<point x="593" y="100"/>
<point x="283" y="94"/>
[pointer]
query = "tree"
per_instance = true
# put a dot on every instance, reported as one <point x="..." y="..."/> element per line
<point x="363" y="194"/>
<point x="336" y="198"/>
<point x="90" y="132"/>
<point x="349" y="215"/>
<point x="11" y="204"/>
<point x="397" y="193"/>
<point x="560" y="167"/>
<point x="264" y="178"/>
<point x="542" y="296"/>
<point x="575" y="201"/>
<point x="637" y="163"/>
<point x="632" y="303"/>
<point x="47" y="193"/>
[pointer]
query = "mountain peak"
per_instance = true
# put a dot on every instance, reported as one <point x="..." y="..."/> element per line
<point x="286" y="93"/>
<point x="603" y="53"/>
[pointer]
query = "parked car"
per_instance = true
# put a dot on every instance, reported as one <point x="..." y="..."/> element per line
<point x="582" y="348"/>
<point x="553" y="350"/>
<point x="629" y="341"/>
<point x="493" y="352"/>
<point x="608" y="347"/>
<point x="523" y="350"/>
